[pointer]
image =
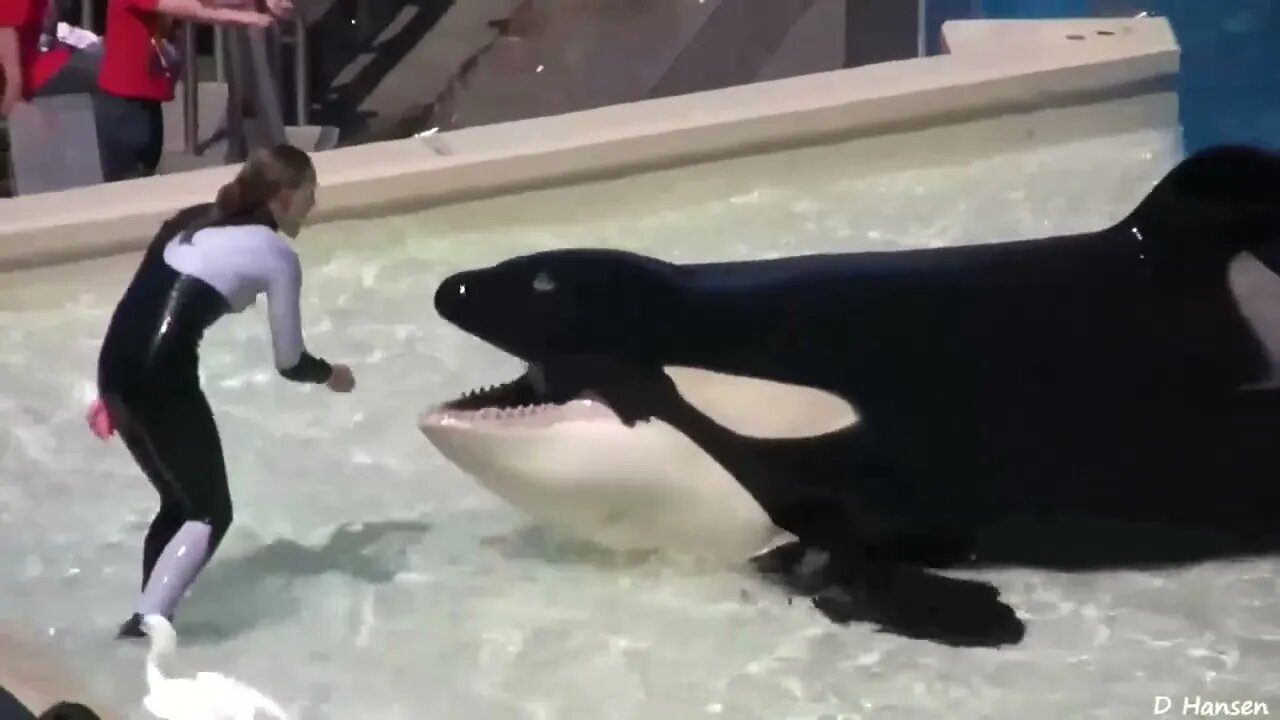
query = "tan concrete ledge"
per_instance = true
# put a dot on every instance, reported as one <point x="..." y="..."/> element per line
<point x="993" y="68"/>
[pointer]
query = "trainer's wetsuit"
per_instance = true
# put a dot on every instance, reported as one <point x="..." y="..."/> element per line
<point x="148" y="378"/>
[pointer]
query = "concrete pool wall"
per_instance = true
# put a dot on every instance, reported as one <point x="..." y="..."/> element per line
<point x="1117" y="71"/>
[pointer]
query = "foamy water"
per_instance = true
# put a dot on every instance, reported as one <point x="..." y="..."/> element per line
<point x="364" y="577"/>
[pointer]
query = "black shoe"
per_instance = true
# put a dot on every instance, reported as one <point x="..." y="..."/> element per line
<point x="132" y="628"/>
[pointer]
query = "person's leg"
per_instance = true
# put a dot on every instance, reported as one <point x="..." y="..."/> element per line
<point x="182" y="441"/>
<point x="149" y="156"/>
<point x="170" y="517"/>
<point x="123" y="135"/>
<point x="168" y="520"/>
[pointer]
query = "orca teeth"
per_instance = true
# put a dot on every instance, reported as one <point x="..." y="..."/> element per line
<point x="537" y="415"/>
<point x="525" y="396"/>
<point x="477" y="392"/>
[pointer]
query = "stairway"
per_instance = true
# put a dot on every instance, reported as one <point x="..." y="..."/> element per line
<point x="394" y="68"/>
<point x="558" y="56"/>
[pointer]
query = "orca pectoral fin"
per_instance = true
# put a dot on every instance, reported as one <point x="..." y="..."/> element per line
<point x="918" y="604"/>
<point x="794" y="566"/>
<point x="780" y="560"/>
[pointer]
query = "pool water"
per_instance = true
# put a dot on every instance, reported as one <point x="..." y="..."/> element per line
<point x="364" y="577"/>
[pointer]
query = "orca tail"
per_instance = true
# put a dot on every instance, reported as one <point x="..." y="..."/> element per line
<point x="1213" y="205"/>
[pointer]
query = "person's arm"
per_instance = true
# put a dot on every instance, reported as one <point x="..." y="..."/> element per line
<point x="206" y="12"/>
<point x="10" y="69"/>
<point x="284" y="290"/>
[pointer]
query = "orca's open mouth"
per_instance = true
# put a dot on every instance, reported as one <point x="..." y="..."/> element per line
<point x="530" y="400"/>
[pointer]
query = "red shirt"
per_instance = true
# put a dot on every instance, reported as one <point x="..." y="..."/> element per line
<point x="131" y="63"/>
<point x="27" y="17"/>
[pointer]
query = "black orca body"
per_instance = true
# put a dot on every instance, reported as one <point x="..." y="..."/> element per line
<point x="1070" y="388"/>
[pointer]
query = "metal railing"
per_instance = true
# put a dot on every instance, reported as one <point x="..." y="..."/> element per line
<point x="265" y="85"/>
<point x="190" y="89"/>
<point x="86" y="14"/>
<point x="301" y="74"/>
<point x="259" y="74"/>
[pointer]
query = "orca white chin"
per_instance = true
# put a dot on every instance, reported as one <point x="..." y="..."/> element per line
<point x="570" y="463"/>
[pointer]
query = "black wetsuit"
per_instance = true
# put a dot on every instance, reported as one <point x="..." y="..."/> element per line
<point x="148" y="376"/>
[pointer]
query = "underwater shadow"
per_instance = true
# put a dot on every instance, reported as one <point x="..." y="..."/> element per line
<point x="237" y="594"/>
<point x="544" y="544"/>
<point x="909" y="598"/>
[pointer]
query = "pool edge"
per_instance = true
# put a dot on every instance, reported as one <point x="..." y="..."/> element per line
<point x="993" y="67"/>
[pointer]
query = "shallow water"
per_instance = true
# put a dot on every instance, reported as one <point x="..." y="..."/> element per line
<point x="366" y="577"/>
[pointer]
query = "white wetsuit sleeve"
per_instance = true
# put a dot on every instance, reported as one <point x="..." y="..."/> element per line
<point x="284" y="291"/>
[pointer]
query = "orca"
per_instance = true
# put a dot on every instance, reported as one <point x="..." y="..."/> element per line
<point x="1099" y="399"/>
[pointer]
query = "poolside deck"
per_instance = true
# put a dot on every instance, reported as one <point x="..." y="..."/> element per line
<point x="994" y="67"/>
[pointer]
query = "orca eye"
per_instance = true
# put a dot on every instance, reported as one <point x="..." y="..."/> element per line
<point x="542" y="282"/>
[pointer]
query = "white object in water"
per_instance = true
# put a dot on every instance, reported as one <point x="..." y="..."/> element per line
<point x="207" y="696"/>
